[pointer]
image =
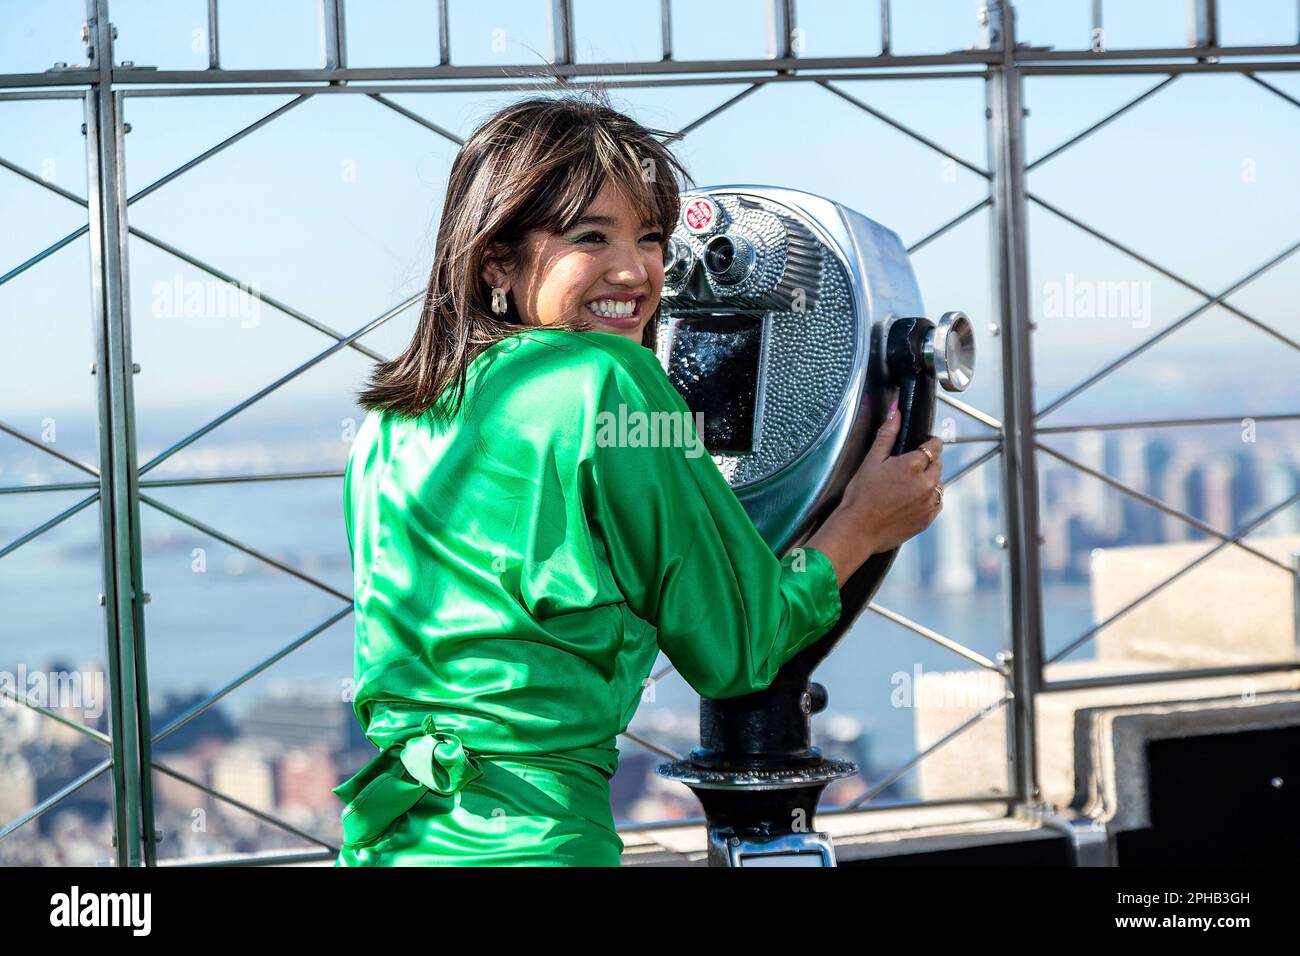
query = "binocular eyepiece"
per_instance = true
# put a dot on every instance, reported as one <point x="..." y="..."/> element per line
<point x="728" y="259"/>
<point x="677" y="259"/>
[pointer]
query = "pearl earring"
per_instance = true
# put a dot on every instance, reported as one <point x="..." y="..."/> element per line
<point x="499" y="300"/>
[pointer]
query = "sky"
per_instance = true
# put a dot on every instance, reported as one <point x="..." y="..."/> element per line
<point x="332" y="208"/>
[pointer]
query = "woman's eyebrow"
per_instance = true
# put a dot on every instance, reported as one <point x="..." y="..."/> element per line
<point x="605" y="221"/>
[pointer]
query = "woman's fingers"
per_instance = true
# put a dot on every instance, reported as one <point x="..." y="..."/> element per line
<point x="882" y="445"/>
<point x="920" y="461"/>
<point x="936" y="448"/>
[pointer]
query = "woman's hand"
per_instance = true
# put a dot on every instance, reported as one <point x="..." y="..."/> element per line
<point x="890" y="499"/>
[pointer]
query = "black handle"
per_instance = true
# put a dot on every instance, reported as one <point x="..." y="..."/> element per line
<point x="916" y="400"/>
<point x="904" y="357"/>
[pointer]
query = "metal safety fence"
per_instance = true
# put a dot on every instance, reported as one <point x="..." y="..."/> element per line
<point x="119" y="484"/>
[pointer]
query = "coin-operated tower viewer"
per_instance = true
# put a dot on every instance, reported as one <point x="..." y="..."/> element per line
<point x="792" y="323"/>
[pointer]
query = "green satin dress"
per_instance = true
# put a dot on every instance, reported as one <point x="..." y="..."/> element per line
<point x="516" y="573"/>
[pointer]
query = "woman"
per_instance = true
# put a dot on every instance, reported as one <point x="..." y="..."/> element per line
<point x="515" y="572"/>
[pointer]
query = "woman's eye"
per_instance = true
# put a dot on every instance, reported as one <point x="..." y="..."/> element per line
<point x="599" y="237"/>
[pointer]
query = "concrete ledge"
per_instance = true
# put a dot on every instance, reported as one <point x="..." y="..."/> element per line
<point x="860" y="836"/>
<point x="1111" y="747"/>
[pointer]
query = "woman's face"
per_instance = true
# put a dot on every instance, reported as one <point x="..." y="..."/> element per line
<point x="607" y="269"/>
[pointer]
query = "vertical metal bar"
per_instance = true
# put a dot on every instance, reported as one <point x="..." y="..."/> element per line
<point x="444" y="34"/>
<point x="1295" y="597"/>
<point x="125" y="808"/>
<point x="333" y="34"/>
<point x="119" y="494"/>
<point x="561" y="32"/>
<point x="1098" y="39"/>
<point x="666" y="25"/>
<point x="1019" y="466"/>
<point x="1202" y="23"/>
<point x="885" y="29"/>
<point x="130" y="467"/>
<point x="990" y="20"/>
<point x="780" y="29"/>
<point x="214" y="45"/>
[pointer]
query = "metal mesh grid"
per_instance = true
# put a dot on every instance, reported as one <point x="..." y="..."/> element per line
<point x="116" y="485"/>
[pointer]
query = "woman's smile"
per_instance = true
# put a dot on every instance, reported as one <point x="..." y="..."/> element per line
<point x="621" y="310"/>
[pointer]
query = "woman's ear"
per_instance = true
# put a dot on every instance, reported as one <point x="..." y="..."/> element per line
<point x="497" y="266"/>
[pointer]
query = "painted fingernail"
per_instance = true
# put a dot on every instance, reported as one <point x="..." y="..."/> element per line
<point x="893" y="410"/>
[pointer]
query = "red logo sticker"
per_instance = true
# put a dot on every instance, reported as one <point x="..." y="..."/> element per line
<point x="700" y="215"/>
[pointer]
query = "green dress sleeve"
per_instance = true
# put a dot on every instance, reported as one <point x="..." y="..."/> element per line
<point x="681" y="547"/>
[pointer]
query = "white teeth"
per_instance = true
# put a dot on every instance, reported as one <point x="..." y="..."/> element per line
<point x="612" y="309"/>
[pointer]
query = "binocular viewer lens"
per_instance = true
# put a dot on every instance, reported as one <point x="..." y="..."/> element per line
<point x="729" y="259"/>
<point x="719" y="255"/>
<point x="677" y="258"/>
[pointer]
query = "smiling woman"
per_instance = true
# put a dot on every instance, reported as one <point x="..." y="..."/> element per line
<point x="518" y="563"/>
<point x="558" y="212"/>
<point x="606" y="268"/>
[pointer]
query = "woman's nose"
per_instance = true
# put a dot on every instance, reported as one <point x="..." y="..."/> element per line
<point x="629" y="268"/>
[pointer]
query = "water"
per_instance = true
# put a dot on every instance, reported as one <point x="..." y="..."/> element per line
<point x="216" y="612"/>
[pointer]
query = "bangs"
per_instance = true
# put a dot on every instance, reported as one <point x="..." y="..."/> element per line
<point x="640" y="168"/>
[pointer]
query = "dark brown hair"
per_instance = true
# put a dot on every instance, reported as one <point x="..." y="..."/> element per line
<point x="537" y="164"/>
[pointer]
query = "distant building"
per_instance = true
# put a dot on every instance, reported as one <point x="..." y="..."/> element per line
<point x="305" y="778"/>
<point x="300" y="721"/>
<point x="244" y="772"/>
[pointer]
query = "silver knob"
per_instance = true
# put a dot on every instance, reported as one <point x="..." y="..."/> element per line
<point x="950" y="351"/>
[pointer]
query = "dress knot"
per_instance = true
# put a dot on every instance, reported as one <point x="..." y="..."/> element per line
<point x="380" y="792"/>
<point x="439" y="760"/>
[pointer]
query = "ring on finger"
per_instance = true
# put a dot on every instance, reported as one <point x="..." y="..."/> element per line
<point x="938" y="490"/>
<point x="929" y="455"/>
